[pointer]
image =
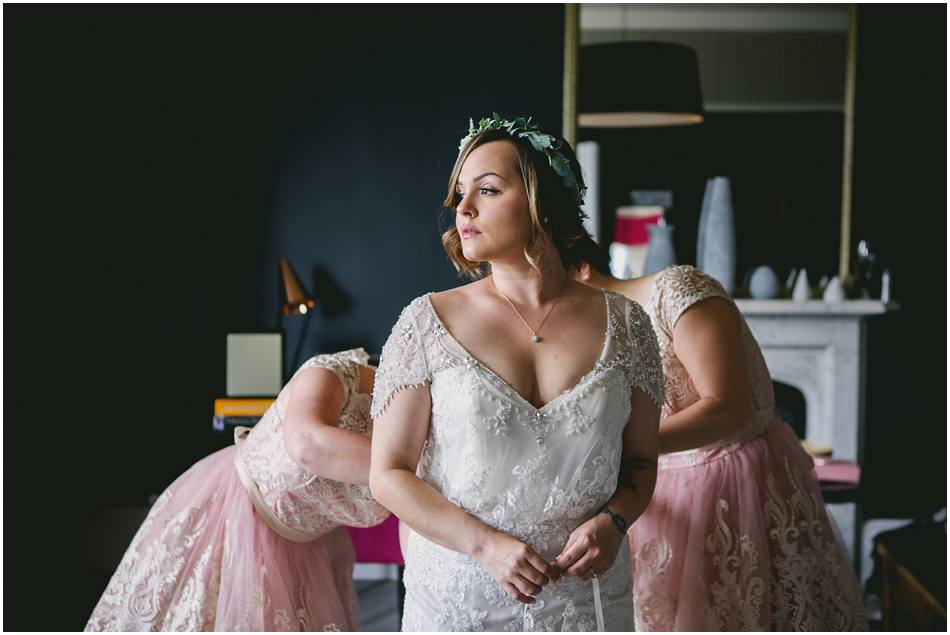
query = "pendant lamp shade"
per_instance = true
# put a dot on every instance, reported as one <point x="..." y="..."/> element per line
<point x="293" y="299"/>
<point x="637" y="84"/>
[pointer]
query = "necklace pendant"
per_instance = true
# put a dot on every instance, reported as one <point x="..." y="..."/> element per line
<point x="535" y="338"/>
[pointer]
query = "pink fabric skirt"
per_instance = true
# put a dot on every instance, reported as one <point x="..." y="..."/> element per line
<point x="203" y="560"/>
<point x="738" y="538"/>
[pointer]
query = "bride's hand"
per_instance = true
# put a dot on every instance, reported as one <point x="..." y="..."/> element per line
<point x="516" y="567"/>
<point x="591" y="548"/>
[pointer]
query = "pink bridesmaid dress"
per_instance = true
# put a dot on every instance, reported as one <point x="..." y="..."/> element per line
<point x="247" y="540"/>
<point x="736" y="536"/>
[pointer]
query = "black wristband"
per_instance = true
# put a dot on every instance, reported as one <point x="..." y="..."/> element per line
<point x="619" y="522"/>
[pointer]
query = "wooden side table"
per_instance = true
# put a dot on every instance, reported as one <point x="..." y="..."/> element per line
<point x="914" y="594"/>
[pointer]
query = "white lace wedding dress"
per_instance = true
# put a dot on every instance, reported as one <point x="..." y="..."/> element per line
<point x="534" y="473"/>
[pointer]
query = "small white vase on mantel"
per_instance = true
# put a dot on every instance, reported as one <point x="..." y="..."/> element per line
<point x="802" y="290"/>
<point x="834" y="292"/>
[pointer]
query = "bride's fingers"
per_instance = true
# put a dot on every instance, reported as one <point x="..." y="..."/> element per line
<point x="548" y="570"/>
<point x="513" y="591"/>
<point x="530" y="573"/>
<point x="525" y="586"/>
<point x="567" y="547"/>
<point x="584" y="570"/>
<point x="569" y="557"/>
<point x="585" y="563"/>
<point x="595" y="560"/>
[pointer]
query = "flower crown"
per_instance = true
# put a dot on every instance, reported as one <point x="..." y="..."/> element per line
<point x="540" y="141"/>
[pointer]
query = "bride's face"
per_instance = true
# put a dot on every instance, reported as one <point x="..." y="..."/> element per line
<point x="491" y="210"/>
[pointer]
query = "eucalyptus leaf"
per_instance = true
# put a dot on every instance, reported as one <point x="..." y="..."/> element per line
<point x="525" y="128"/>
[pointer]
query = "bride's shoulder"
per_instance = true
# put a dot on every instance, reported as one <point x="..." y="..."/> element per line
<point x="456" y="298"/>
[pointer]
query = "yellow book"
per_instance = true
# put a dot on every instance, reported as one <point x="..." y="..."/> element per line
<point x="241" y="407"/>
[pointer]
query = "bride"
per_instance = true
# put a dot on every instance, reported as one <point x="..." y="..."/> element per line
<point x="515" y="417"/>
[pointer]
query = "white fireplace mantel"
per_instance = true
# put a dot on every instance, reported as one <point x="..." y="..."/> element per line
<point x="820" y="348"/>
<point x="846" y="308"/>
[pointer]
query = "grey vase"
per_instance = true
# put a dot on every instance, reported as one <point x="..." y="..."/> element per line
<point x="716" y="246"/>
<point x="660" y="252"/>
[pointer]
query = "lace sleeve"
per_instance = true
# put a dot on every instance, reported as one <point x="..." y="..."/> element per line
<point x="680" y="287"/>
<point x="344" y="365"/>
<point x="403" y="362"/>
<point x="645" y="369"/>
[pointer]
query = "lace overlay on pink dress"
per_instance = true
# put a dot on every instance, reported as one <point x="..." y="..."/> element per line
<point x="736" y="536"/>
<point x="534" y="473"/>
<point x="206" y="559"/>
<point x="675" y="290"/>
<point x="296" y="504"/>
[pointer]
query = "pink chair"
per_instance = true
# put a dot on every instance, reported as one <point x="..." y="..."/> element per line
<point x="379" y="544"/>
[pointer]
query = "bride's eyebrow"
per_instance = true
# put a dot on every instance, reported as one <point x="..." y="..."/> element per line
<point x="480" y="177"/>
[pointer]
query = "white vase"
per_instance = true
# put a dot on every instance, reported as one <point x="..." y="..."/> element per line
<point x="703" y="226"/>
<point x="660" y="252"/>
<point x="833" y="292"/>
<point x="716" y="245"/>
<point x="886" y="286"/>
<point x="790" y="280"/>
<point x="802" y="289"/>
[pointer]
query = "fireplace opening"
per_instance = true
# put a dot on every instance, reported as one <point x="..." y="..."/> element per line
<point x="790" y="403"/>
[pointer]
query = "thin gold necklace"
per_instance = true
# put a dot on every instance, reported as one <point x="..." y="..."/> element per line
<point x="534" y="332"/>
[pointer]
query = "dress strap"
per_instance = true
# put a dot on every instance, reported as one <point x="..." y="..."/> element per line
<point x="403" y="362"/>
<point x="598" y="606"/>
<point x="644" y="366"/>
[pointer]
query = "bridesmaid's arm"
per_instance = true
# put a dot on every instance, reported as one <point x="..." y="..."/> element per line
<point x="311" y="436"/>
<point x="399" y="433"/>
<point x="707" y="340"/>
<point x="594" y="545"/>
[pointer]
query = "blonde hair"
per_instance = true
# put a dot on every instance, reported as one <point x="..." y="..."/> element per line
<point x="554" y="213"/>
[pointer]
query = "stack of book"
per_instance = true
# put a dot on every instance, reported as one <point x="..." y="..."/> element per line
<point x="229" y="413"/>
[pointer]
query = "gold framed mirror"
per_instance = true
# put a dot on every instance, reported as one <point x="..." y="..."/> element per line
<point x="572" y="43"/>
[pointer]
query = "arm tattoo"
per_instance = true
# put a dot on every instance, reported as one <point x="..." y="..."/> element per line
<point x="619" y="521"/>
<point x="628" y="470"/>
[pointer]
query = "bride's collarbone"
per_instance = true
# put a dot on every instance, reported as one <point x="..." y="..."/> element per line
<point x="571" y="340"/>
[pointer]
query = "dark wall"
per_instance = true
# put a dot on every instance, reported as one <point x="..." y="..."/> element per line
<point x="158" y="161"/>
<point x="900" y="206"/>
<point x="785" y="176"/>
<point x="366" y="154"/>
